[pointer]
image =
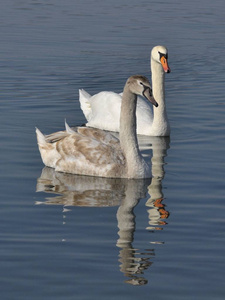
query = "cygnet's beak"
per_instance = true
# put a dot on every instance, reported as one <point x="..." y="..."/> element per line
<point x="147" y="93"/>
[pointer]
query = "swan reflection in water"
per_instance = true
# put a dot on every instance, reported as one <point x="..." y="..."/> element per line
<point x="76" y="190"/>
<point x="157" y="210"/>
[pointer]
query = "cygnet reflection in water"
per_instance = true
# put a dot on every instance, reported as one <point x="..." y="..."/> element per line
<point x="75" y="190"/>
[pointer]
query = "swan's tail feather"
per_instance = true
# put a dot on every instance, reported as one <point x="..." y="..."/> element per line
<point x="68" y="128"/>
<point x="85" y="94"/>
<point x="44" y="141"/>
<point x="40" y="138"/>
<point x="85" y="105"/>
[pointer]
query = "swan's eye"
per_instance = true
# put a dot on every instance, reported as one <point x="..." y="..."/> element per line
<point x="165" y="56"/>
<point x="141" y="83"/>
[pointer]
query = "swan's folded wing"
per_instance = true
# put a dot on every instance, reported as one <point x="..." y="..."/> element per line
<point x="85" y="152"/>
<point x="105" y="108"/>
<point x="56" y="136"/>
<point x="99" y="135"/>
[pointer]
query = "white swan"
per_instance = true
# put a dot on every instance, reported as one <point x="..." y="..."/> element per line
<point x="103" y="109"/>
<point x="89" y="151"/>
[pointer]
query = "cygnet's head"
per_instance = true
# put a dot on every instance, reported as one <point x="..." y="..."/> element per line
<point x="140" y="85"/>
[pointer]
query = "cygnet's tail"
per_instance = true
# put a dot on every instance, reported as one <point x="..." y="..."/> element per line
<point x="40" y="138"/>
<point x="85" y="105"/>
<point x="68" y="128"/>
<point x="47" y="141"/>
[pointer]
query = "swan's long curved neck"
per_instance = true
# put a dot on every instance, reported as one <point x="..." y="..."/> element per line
<point x="128" y="136"/>
<point x="158" y="87"/>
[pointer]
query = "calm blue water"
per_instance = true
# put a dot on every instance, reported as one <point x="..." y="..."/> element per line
<point x="74" y="237"/>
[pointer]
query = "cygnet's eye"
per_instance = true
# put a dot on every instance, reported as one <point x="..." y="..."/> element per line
<point x="141" y="83"/>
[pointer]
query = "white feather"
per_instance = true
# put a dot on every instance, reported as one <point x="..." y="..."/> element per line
<point x="102" y="110"/>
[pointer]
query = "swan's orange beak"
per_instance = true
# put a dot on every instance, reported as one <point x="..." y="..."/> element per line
<point x="165" y="65"/>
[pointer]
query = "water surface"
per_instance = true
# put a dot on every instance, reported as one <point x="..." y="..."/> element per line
<point x="74" y="237"/>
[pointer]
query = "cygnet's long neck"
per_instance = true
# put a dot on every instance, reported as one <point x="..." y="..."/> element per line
<point x="128" y="136"/>
<point x="160" y="120"/>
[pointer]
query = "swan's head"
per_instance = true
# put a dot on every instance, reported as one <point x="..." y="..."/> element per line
<point x="160" y="55"/>
<point x="139" y="85"/>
